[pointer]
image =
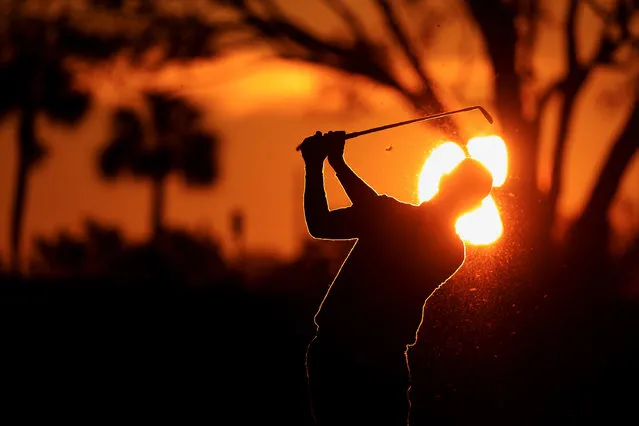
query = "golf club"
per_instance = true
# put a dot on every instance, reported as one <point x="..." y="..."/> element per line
<point x="352" y="135"/>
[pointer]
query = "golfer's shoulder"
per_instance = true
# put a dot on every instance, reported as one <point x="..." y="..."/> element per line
<point x="455" y="249"/>
<point x="444" y="235"/>
<point x="390" y="201"/>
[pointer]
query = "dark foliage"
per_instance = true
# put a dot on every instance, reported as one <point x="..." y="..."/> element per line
<point x="177" y="143"/>
<point x="173" y="142"/>
<point x="175" y="258"/>
<point x="125" y="145"/>
<point x="197" y="167"/>
<point x="59" y="99"/>
<point x="128" y="330"/>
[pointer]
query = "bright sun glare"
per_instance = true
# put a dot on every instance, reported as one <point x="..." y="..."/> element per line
<point x="482" y="225"/>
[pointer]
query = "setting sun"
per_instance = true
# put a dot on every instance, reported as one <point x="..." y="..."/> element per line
<point x="441" y="161"/>
<point x="491" y="151"/>
<point x="482" y="225"/>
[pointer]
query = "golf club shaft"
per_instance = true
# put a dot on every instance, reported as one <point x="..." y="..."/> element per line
<point x="429" y="117"/>
<point x="352" y="135"/>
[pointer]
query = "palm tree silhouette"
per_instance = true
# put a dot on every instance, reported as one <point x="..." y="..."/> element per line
<point x="171" y="142"/>
<point x="37" y="40"/>
<point x="33" y="81"/>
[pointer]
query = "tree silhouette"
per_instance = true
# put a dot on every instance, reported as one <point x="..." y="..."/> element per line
<point x="104" y="255"/>
<point x="174" y="143"/>
<point x="37" y="40"/>
<point x="33" y="81"/>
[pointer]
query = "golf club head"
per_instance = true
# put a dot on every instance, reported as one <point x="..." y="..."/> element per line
<point x="485" y="113"/>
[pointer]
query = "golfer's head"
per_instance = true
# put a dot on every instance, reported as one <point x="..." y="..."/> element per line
<point x="464" y="187"/>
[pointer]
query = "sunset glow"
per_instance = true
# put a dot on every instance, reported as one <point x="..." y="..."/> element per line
<point x="441" y="161"/>
<point x="482" y="225"/>
<point x="491" y="151"/>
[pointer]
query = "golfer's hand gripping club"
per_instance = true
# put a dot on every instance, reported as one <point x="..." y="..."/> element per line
<point x="320" y="146"/>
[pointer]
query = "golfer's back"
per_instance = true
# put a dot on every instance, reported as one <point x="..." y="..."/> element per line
<point x="403" y="253"/>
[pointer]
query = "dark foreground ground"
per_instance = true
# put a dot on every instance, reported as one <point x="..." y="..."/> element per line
<point x="216" y="356"/>
<point x="79" y="353"/>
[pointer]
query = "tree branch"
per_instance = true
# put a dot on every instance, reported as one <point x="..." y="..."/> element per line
<point x="351" y="20"/>
<point x="358" y="59"/>
<point x="496" y="21"/>
<point x="571" y="36"/>
<point x="425" y="100"/>
<point x="542" y="103"/>
<point x="599" y="11"/>
<point x="626" y="145"/>
<point x="620" y="17"/>
<point x="238" y="43"/>
<point x="575" y="78"/>
<point x="571" y="85"/>
<point x="402" y="40"/>
<point x="618" y="159"/>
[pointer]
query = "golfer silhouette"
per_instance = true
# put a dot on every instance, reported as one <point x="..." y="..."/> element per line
<point x="356" y="364"/>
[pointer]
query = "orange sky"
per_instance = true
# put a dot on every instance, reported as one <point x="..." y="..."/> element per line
<point x="263" y="109"/>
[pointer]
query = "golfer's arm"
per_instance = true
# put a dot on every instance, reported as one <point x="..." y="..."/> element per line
<point x="321" y="222"/>
<point x="356" y="188"/>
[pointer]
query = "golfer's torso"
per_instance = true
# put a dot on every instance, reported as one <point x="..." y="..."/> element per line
<point x="381" y="288"/>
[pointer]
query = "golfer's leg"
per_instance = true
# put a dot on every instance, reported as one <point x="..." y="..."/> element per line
<point x="333" y="385"/>
<point x="345" y="392"/>
<point x="384" y="395"/>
